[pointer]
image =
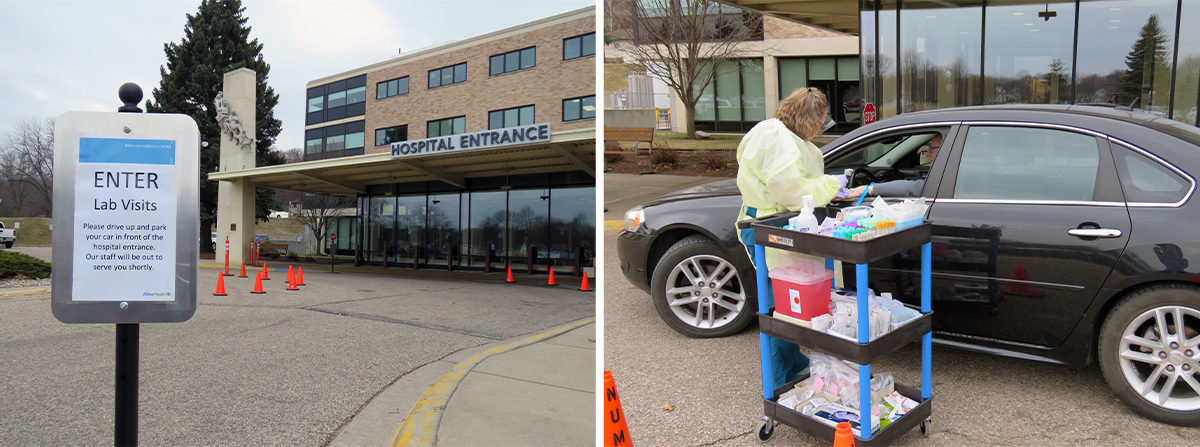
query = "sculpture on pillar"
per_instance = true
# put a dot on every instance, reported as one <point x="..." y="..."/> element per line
<point x="231" y="125"/>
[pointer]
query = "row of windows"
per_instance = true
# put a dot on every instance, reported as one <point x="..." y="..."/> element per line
<point x="448" y="75"/>
<point x="348" y="137"/>
<point x="394" y="87"/>
<point x="448" y="126"/>
<point x="337" y="100"/>
<point x="391" y="135"/>
<point x="579" y="108"/>
<point x="516" y="116"/>
<point x="514" y="61"/>
<point x="579" y="46"/>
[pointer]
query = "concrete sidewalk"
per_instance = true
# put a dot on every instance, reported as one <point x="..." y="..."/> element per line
<point x="535" y="390"/>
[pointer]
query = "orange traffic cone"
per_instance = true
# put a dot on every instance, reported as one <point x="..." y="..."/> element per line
<point x="1021" y="289"/>
<point x="243" y="273"/>
<point x="551" y="281"/>
<point x="266" y="272"/>
<point x="300" y="275"/>
<point x="291" y="279"/>
<point x="584" y="285"/>
<point x="843" y="437"/>
<point x="615" y="428"/>
<point x="510" y="278"/>
<point x="258" y="290"/>
<point x="220" y="285"/>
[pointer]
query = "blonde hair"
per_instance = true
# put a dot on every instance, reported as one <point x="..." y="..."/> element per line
<point x="801" y="112"/>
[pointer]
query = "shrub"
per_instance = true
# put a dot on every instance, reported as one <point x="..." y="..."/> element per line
<point x="13" y="264"/>
<point x="309" y="258"/>
<point x="292" y="256"/>
<point x="614" y="158"/>
<point x="664" y="154"/>
<point x="714" y="160"/>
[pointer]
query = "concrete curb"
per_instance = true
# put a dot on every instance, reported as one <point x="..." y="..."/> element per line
<point x="6" y="294"/>
<point x="420" y="426"/>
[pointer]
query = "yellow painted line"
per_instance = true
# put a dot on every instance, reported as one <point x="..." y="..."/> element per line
<point x="420" y="426"/>
<point x="613" y="225"/>
<point x="10" y="294"/>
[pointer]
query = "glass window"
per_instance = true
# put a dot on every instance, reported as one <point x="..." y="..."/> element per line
<point x="410" y="225"/>
<point x="572" y="222"/>
<point x="489" y="220"/>
<point x="391" y="135"/>
<point x="885" y="105"/>
<point x="1028" y="56"/>
<point x="512" y="61"/>
<point x="381" y="220"/>
<point x="448" y="126"/>
<point x="793" y="74"/>
<point x="496" y="65"/>
<point x="355" y="140"/>
<point x="528" y="58"/>
<point x="356" y="95"/>
<point x="337" y="99"/>
<point x="1023" y="163"/>
<point x="526" y="116"/>
<point x="529" y="212"/>
<point x="460" y="73"/>
<point x="754" y="90"/>
<point x="941" y="48"/>
<point x="1145" y="180"/>
<point x="729" y="92"/>
<point x="335" y="143"/>
<point x="448" y="75"/>
<point x="579" y="108"/>
<point x="868" y="49"/>
<point x="579" y="46"/>
<point x="847" y="69"/>
<point x="1187" y="65"/>
<point x="394" y="87"/>
<point x="1125" y="53"/>
<point x="435" y="78"/>
<point x="312" y="146"/>
<point x="822" y="69"/>
<point x="315" y="104"/>
<point x="496" y="119"/>
<point x="442" y="229"/>
<point x="516" y="116"/>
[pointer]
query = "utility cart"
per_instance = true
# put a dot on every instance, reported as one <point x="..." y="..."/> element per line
<point x="769" y="232"/>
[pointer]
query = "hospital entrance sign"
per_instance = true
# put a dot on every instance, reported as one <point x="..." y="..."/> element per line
<point x="126" y="210"/>
<point x="487" y="139"/>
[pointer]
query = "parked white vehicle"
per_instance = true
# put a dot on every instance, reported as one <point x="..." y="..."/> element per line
<point x="7" y="236"/>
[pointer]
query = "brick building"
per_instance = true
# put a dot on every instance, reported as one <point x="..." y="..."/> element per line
<point x="466" y="155"/>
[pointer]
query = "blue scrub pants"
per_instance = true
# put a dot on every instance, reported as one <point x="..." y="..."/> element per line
<point x="786" y="360"/>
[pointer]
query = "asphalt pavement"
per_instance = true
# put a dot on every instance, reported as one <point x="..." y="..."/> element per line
<point x="679" y="391"/>
<point x="350" y="359"/>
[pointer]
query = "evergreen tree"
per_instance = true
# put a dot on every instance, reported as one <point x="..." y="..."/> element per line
<point x="217" y="40"/>
<point x="1149" y="59"/>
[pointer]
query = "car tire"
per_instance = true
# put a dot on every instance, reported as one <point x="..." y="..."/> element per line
<point x="696" y="308"/>
<point x="8" y="245"/>
<point x="1139" y="363"/>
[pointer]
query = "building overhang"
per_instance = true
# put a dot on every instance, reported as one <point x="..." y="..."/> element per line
<point x="568" y="150"/>
<point x="836" y="15"/>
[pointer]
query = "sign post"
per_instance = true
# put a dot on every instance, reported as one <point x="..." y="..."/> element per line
<point x="332" y="240"/>
<point x="126" y="196"/>
<point x="868" y="114"/>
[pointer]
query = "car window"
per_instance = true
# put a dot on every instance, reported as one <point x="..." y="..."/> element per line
<point x="1145" y="180"/>
<point x="1027" y="163"/>
<point x="897" y="151"/>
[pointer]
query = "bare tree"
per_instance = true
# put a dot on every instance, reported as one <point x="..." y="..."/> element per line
<point x="293" y="155"/>
<point x="14" y="192"/>
<point x="29" y="158"/>
<point x="317" y="213"/>
<point x="286" y="196"/>
<point x="682" y="42"/>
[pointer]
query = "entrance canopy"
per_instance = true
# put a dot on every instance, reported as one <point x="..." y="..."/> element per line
<point x="568" y="150"/>
<point x="837" y="15"/>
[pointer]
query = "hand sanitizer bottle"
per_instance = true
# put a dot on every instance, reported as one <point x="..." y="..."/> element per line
<point x="805" y="222"/>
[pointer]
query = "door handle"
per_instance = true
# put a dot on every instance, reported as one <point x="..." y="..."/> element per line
<point x="1094" y="232"/>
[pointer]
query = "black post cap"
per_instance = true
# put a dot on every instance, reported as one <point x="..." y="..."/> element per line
<point x="131" y="95"/>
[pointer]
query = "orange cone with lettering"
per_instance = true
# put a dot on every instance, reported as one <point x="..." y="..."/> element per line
<point x="551" y="281"/>
<point x="584" y="286"/>
<point x="258" y="290"/>
<point x="220" y="285"/>
<point x="300" y="275"/>
<point x="243" y="273"/>
<point x="843" y="437"/>
<point x="266" y="272"/>
<point x="510" y="278"/>
<point x="616" y="431"/>
<point x="291" y="279"/>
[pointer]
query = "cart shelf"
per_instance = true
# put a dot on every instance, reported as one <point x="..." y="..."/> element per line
<point x="821" y="431"/>
<point x="860" y="353"/>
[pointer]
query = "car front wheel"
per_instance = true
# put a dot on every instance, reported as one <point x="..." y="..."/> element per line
<point x="698" y="292"/>
<point x="1150" y="353"/>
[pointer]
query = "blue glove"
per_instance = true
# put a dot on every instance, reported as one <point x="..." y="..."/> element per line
<point x="842" y="180"/>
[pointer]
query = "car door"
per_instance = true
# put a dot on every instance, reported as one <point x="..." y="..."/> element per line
<point x="1028" y="222"/>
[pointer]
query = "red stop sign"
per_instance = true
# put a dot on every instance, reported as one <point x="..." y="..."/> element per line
<point x="333" y="236"/>
<point x="868" y="114"/>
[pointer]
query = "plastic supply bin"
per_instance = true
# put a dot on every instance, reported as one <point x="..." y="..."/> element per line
<point x="801" y="290"/>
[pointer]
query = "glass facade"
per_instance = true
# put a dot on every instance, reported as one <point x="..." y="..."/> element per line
<point x="1141" y="54"/>
<point x="736" y="98"/>
<point x="836" y="77"/>
<point x="558" y="222"/>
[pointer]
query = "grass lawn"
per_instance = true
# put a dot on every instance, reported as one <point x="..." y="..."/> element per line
<point x="33" y="231"/>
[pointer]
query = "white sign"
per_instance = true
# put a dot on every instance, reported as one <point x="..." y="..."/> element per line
<point x="488" y="139"/>
<point x="125" y="219"/>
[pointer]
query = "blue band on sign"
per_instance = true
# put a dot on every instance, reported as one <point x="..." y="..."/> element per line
<point x="122" y="150"/>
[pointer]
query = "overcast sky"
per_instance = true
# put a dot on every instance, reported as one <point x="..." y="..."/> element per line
<point x="72" y="55"/>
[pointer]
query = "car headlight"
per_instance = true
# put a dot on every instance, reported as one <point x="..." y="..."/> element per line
<point x="634" y="218"/>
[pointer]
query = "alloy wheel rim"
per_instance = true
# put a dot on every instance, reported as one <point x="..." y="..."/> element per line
<point x="1160" y="356"/>
<point x="705" y="292"/>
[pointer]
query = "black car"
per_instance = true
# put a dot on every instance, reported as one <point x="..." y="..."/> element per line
<point x="1060" y="233"/>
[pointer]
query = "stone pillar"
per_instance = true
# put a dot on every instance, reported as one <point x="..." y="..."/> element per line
<point x="771" y="73"/>
<point x="235" y="199"/>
